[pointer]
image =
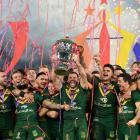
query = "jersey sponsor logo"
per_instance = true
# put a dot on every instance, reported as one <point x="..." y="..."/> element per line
<point x="125" y="107"/>
<point x="126" y="137"/>
<point x="83" y="135"/>
<point x="128" y="112"/>
<point x="18" y="136"/>
<point x="3" y="109"/>
<point x="67" y="137"/>
<point x="112" y="134"/>
<point x="103" y="105"/>
<point x="96" y="119"/>
<point x="34" y="132"/>
<point x="104" y="100"/>
<point x="3" y="106"/>
<point x="24" y="111"/>
<point x="10" y="133"/>
<point x="23" y="106"/>
<point x="74" y="106"/>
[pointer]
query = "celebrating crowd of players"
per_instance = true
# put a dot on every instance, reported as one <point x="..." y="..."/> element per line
<point x="83" y="105"/>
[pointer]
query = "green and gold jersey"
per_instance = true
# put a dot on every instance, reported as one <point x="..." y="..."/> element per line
<point x="7" y="109"/>
<point x="44" y="95"/>
<point x="105" y="100"/>
<point x="54" y="99"/>
<point x="127" y="107"/>
<point x="28" y="111"/>
<point x="77" y="101"/>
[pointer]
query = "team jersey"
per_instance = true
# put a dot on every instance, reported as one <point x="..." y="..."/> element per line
<point x="105" y="99"/>
<point x="6" y="109"/>
<point x="128" y="107"/>
<point x="28" y="111"/>
<point x="77" y="101"/>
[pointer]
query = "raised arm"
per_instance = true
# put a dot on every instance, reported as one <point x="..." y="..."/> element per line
<point x="95" y="61"/>
<point x="55" y="78"/>
<point x="83" y="77"/>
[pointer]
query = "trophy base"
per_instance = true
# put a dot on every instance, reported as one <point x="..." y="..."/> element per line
<point x="61" y="72"/>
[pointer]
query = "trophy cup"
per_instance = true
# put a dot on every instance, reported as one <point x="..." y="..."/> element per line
<point x="64" y="49"/>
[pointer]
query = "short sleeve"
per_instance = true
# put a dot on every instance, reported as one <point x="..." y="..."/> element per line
<point x="136" y="96"/>
<point x="38" y="97"/>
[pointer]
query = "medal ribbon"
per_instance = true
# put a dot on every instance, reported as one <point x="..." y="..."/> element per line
<point x="72" y="94"/>
<point x="123" y="100"/>
<point x="2" y="97"/>
<point x="105" y="89"/>
<point x="18" y="101"/>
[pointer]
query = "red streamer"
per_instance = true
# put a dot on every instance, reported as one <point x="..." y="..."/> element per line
<point x="6" y="61"/>
<point x="5" y="47"/>
<point x="104" y="43"/>
<point x="74" y="13"/>
<point x="20" y="35"/>
<point x="104" y="2"/>
<point x="2" y="39"/>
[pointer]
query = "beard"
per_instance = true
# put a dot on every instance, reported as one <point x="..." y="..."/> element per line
<point x="73" y="84"/>
<point x="22" y="86"/>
